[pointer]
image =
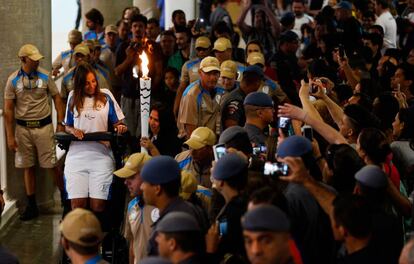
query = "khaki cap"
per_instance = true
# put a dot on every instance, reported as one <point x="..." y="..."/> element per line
<point x="203" y="42"/>
<point x="81" y="227"/>
<point x="255" y="58"/>
<point x="188" y="184"/>
<point x="30" y="51"/>
<point x="75" y="36"/>
<point x="222" y="44"/>
<point x="133" y="165"/>
<point x="201" y="137"/>
<point x="228" y="69"/>
<point x="81" y="49"/>
<point x="209" y="64"/>
<point x="111" y="29"/>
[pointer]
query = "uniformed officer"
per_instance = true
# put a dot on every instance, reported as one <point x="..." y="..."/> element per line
<point x="66" y="59"/>
<point x="189" y="71"/>
<point x="81" y="54"/>
<point x="229" y="178"/>
<point x="200" y="104"/>
<point x="232" y="111"/>
<point x="268" y="86"/>
<point x="223" y="51"/>
<point x="228" y="76"/>
<point x="266" y="235"/>
<point x="180" y="239"/>
<point x="26" y="103"/>
<point x="259" y="111"/>
<point x="140" y="216"/>
<point x="81" y="237"/>
<point x="198" y="158"/>
<point x="161" y="185"/>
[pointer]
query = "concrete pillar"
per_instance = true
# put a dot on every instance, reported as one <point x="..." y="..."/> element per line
<point x="148" y="8"/>
<point x="23" y="22"/>
<point x="110" y="9"/>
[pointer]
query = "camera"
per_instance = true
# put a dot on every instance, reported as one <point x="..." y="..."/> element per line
<point x="286" y="125"/>
<point x="219" y="151"/>
<point x="275" y="169"/>
<point x="137" y="46"/>
<point x="313" y="88"/>
<point x="259" y="150"/>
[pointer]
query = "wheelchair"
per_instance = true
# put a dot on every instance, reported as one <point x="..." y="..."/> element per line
<point x="114" y="247"/>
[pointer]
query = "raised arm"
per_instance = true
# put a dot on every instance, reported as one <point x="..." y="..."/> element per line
<point x="244" y="28"/>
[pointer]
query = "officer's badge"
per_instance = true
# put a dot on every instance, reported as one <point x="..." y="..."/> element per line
<point x="20" y="84"/>
<point x="133" y="215"/>
<point x="39" y="83"/>
<point x="155" y="214"/>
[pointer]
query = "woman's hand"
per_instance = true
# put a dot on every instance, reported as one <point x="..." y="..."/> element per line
<point x="121" y="128"/>
<point x="212" y="238"/>
<point x="146" y="143"/>
<point x="77" y="133"/>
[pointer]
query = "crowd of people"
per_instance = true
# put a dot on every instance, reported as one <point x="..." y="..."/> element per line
<point x="296" y="148"/>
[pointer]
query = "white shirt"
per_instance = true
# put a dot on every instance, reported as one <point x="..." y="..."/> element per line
<point x="387" y="22"/>
<point x="305" y="19"/>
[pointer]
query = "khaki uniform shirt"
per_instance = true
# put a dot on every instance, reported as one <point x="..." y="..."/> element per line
<point x="199" y="108"/>
<point x="186" y="162"/>
<point x="108" y="57"/>
<point x="189" y="71"/>
<point x="68" y="84"/>
<point x="31" y="93"/>
<point x="138" y="222"/>
<point x="65" y="59"/>
<point x="272" y="89"/>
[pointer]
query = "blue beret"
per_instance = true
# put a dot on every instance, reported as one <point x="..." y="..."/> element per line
<point x="254" y="69"/>
<point x="155" y="260"/>
<point x="228" y="166"/>
<point x="294" y="146"/>
<point x="372" y="176"/>
<point x="344" y="5"/>
<point x="229" y="133"/>
<point x="160" y="170"/>
<point x="177" y="222"/>
<point x="258" y="99"/>
<point x="266" y="218"/>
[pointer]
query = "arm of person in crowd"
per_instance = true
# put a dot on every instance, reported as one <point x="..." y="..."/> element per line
<point x="149" y="146"/>
<point x="274" y="22"/>
<point x="178" y="96"/>
<point x="60" y="110"/>
<point x="401" y="203"/>
<point x="352" y="80"/>
<point x="306" y="103"/>
<point x="335" y="110"/>
<point x="127" y="63"/>
<point x="9" y="118"/>
<point x="56" y="65"/>
<point x="299" y="174"/>
<point x="244" y="28"/>
<point x="329" y="133"/>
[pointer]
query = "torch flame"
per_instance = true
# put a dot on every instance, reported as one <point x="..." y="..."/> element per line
<point x="144" y="65"/>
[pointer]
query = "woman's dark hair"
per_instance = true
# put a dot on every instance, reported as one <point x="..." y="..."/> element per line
<point x="344" y="162"/>
<point x="320" y="68"/>
<point x="174" y="72"/>
<point x="268" y="195"/>
<point x="79" y="80"/>
<point x="166" y="119"/>
<point x="406" y="116"/>
<point x="386" y="108"/>
<point x="344" y="92"/>
<point x="374" y="143"/>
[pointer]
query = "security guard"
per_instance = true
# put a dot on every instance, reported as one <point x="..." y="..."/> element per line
<point x="223" y="51"/>
<point x="232" y="111"/>
<point x="268" y="86"/>
<point x="161" y="185"/>
<point x="26" y="103"/>
<point x="81" y="53"/>
<point x="228" y="76"/>
<point x="189" y="71"/>
<point x="200" y="104"/>
<point x="66" y="58"/>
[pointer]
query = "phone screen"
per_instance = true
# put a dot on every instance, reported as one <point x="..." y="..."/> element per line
<point x="219" y="151"/>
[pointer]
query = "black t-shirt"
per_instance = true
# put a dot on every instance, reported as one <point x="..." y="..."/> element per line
<point x="350" y="35"/>
<point x="363" y="256"/>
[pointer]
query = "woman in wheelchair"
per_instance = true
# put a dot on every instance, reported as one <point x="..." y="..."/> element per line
<point x="89" y="165"/>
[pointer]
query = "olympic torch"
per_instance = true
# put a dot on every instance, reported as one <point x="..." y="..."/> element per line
<point x="145" y="96"/>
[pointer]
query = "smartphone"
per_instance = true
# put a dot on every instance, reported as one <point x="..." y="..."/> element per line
<point x="219" y="151"/>
<point x="286" y="125"/>
<point x="259" y="150"/>
<point x="307" y="132"/>
<point x="275" y="169"/>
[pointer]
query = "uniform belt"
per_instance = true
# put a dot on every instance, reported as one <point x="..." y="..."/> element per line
<point x="34" y="123"/>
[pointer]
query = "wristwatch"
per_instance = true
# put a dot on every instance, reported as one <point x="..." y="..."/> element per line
<point x="62" y="123"/>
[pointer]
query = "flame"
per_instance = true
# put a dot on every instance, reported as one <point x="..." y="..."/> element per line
<point x="144" y="65"/>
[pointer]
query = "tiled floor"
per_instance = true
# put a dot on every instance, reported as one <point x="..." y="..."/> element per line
<point x="35" y="241"/>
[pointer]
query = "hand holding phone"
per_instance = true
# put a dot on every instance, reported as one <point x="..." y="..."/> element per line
<point x="219" y="151"/>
